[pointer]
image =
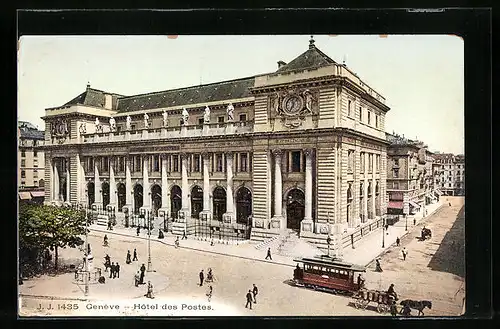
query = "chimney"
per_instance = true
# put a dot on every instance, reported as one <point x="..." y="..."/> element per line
<point x="281" y="64"/>
<point x="88" y="85"/>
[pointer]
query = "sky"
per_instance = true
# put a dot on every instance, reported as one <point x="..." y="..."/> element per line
<point x="420" y="76"/>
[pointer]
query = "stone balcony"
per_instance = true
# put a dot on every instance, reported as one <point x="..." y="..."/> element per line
<point x="211" y="129"/>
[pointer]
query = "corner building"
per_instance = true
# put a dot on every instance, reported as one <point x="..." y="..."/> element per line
<point x="304" y="149"/>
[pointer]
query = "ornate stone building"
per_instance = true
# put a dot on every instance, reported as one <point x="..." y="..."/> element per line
<point x="299" y="148"/>
<point x="451" y="173"/>
<point x="31" y="162"/>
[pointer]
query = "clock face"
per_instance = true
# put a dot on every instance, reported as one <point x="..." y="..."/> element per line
<point x="60" y="128"/>
<point x="293" y="104"/>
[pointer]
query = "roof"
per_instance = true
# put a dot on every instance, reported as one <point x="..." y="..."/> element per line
<point x="335" y="263"/>
<point x="191" y="95"/>
<point x="313" y="58"/>
<point x="26" y="124"/>
<point x="93" y="97"/>
<point x="29" y="131"/>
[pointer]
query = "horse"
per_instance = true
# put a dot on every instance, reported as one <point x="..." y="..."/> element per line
<point x="417" y="305"/>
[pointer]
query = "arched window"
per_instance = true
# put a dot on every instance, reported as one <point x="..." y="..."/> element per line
<point x="349" y="193"/>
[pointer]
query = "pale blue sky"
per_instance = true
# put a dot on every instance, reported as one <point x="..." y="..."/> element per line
<point x="421" y="77"/>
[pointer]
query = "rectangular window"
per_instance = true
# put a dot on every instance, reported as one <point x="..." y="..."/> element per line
<point x="396" y="162"/>
<point x="362" y="162"/>
<point x="35" y="183"/>
<point x="350" y="160"/>
<point x="23" y="163"/>
<point x="296" y="161"/>
<point x="219" y="163"/>
<point x="105" y="164"/>
<point x="35" y="173"/>
<point x="370" y="162"/>
<point x="201" y="121"/>
<point x="220" y="119"/>
<point x="349" y="108"/>
<point x="369" y="117"/>
<point x="360" y="114"/>
<point x="23" y="174"/>
<point x="197" y="166"/>
<point x="376" y="121"/>
<point x="243" y="117"/>
<point x="121" y="164"/>
<point x="23" y="183"/>
<point x="378" y="163"/>
<point x="35" y="162"/>
<point x="395" y="185"/>
<point x="91" y="164"/>
<point x="250" y="162"/>
<point x="396" y="173"/>
<point x="35" y="153"/>
<point x="138" y="163"/>
<point x="156" y="163"/>
<point x="175" y="161"/>
<point x="23" y="154"/>
<point x="244" y="162"/>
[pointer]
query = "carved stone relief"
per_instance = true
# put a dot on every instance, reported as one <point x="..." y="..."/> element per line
<point x="293" y="105"/>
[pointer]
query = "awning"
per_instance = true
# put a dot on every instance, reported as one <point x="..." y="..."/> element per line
<point x="439" y="192"/>
<point x="395" y="204"/>
<point x="414" y="204"/>
<point x="24" y="195"/>
<point x="38" y="194"/>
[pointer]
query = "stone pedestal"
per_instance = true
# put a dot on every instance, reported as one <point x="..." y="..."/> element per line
<point x="183" y="131"/>
<point x="127" y="135"/>
<point x="163" y="132"/>
<point x="111" y="136"/>
<point x="228" y="218"/>
<point x="164" y="219"/>
<point x="277" y="222"/>
<point x="145" y="133"/>
<point x="307" y="225"/>
<point x="230" y="127"/>
<point x="206" y="215"/>
<point x="183" y="215"/>
<point x="206" y="130"/>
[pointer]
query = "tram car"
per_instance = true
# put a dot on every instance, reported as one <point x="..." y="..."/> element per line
<point x="327" y="274"/>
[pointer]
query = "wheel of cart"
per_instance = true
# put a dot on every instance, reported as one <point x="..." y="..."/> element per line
<point x="361" y="299"/>
<point x="384" y="302"/>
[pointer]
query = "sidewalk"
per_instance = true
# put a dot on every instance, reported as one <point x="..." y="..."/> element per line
<point x="370" y="247"/>
<point x="244" y="250"/>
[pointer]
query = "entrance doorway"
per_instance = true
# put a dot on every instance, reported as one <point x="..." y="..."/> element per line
<point x="121" y="196"/>
<point x="175" y="201"/>
<point x="90" y="194"/>
<point x="105" y="194"/>
<point x="219" y="203"/>
<point x="196" y="201"/>
<point x="156" y="199"/>
<point x="137" y="197"/>
<point x="243" y="205"/>
<point x="294" y="209"/>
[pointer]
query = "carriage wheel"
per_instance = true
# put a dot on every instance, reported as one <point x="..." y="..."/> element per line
<point x="358" y="303"/>
<point x="382" y="308"/>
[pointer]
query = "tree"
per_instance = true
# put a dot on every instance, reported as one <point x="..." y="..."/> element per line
<point x="44" y="227"/>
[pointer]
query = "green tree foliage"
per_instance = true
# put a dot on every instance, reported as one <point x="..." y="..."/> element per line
<point x="44" y="227"/>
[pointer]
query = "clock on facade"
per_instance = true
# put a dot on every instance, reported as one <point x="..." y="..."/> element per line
<point x="292" y="104"/>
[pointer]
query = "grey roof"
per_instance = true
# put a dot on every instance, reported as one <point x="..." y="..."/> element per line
<point x="92" y="97"/>
<point x="26" y="124"/>
<point x="184" y="96"/>
<point x="313" y="58"/>
<point x="29" y="133"/>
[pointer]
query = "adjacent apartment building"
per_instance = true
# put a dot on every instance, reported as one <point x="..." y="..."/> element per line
<point x="31" y="161"/>
<point x="451" y="173"/>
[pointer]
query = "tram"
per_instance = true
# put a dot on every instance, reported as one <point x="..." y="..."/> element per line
<point x="327" y="274"/>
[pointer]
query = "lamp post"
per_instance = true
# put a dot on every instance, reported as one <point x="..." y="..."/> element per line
<point x="383" y="232"/>
<point x="86" y="276"/>
<point x="406" y="222"/>
<point x="150" y="265"/>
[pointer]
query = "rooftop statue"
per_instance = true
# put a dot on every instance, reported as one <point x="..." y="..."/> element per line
<point x="230" y="112"/>
<point x="206" y="116"/>
<point x="128" y="124"/>
<point x="185" y="117"/>
<point x="112" y="124"/>
<point x="165" y="118"/>
<point x="146" y="120"/>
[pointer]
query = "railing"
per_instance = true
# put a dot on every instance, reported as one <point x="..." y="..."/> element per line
<point x="210" y="129"/>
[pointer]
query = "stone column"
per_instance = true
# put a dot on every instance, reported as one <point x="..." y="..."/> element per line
<point x="68" y="178"/>
<point x="277" y="220"/>
<point x="112" y="184"/>
<point x="374" y="196"/>
<point x="97" y="185"/>
<point x="165" y="209"/>
<point x="206" y="214"/>
<point x="83" y="183"/>
<point x="185" y="185"/>
<point x="146" y="197"/>
<point x="229" y="215"/>
<point x="307" y="222"/>
<point x="56" y="181"/>
<point x="128" y="183"/>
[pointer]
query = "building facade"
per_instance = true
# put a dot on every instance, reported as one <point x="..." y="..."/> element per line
<point x="30" y="175"/>
<point x="451" y="173"/>
<point x="300" y="148"/>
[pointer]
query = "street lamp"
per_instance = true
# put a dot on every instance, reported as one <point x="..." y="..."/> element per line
<point x="406" y="222"/>
<point x="86" y="276"/>
<point x="150" y="265"/>
<point x="383" y="232"/>
<point x="328" y="239"/>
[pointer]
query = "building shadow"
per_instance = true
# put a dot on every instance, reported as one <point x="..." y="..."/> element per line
<point x="450" y="256"/>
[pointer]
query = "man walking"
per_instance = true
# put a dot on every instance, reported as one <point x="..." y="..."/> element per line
<point x="249" y="299"/>
<point x="184" y="236"/>
<point x="269" y="254"/>
<point x="209" y="293"/>
<point x="143" y="269"/>
<point x="137" y="278"/>
<point x="404" y="252"/>
<point x="112" y="271"/>
<point x="128" y="260"/>
<point x="117" y="270"/>
<point x="138" y="230"/>
<point x="135" y="255"/>
<point x="255" y="291"/>
<point x="202" y="276"/>
<point x="397" y="241"/>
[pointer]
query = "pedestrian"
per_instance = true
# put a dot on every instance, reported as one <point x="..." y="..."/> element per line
<point x="117" y="270"/>
<point x="202" y="276"/>
<point x="255" y="291"/>
<point x="143" y="269"/>
<point x="269" y="254"/>
<point x="128" y="261"/>
<point x="137" y="278"/>
<point x="249" y="299"/>
<point x="378" y="268"/>
<point x="397" y="241"/>
<point x="209" y="293"/>
<point x="177" y="242"/>
<point x="184" y="236"/>
<point x="149" y="293"/>
<point x="112" y="271"/>
<point x="109" y="226"/>
<point x="361" y="281"/>
<point x="394" y="309"/>
<point x="449" y="203"/>
<point x="135" y="255"/>
<point x="88" y="249"/>
<point x="138" y="230"/>
<point x="404" y="252"/>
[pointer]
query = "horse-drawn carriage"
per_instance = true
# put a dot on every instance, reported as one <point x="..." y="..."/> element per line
<point x="383" y="299"/>
<point x="426" y="234"/>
